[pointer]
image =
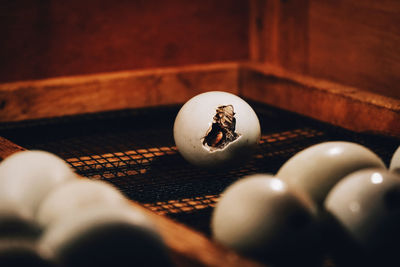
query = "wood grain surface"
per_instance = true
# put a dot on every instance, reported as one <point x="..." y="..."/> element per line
<point x="355" y="43"/>
<point x="323" y="100"/>
<point x="340" y="105"/>
<point x="7" y="148"/>
<point x="279" y="33"/>
<point x="112" y="91"/>
<point x="50" y="38"/>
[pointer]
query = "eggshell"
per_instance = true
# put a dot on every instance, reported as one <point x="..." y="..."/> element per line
<point x="195" y="119"/>
<point x="315" y="170"/>
<point x="395" y="161"/>
<point x="76" y="195"/>
<point x="262" y="217"/>
<point x="26" y="178"/>
<point x="366" y="204"/>
<point x="105" y="236"/>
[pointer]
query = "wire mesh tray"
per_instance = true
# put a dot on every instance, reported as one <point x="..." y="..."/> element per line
<point x="134" y="150"/>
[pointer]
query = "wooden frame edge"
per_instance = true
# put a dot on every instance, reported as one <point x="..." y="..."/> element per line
<point x="333" y="103"/>
<point x="7" y="148"/>
<point x="113" y="91"/>
<point x="340" y="105"/>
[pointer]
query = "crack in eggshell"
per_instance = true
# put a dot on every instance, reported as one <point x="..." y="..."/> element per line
<point x="222" y="131"/>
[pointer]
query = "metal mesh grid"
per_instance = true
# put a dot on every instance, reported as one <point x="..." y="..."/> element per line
<point x="134" y="150"/>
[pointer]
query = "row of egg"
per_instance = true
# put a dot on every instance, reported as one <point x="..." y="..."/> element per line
<point x="339" y="183"/>
<point x="339" y="187"/>
<point x="49" y="217"/>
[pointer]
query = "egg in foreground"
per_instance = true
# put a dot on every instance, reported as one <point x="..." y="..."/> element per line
<point x="27" y="177"/>
<point x="105" y="236"/>
<point x="16" y="223"/>
<point x="395" y="161"/>
<point x="260" y="216"/>
<point x="20" y="252"/>
<point x="316" y="169"/>
<point x="366" y="204"/>
<point x="71" y="197"/>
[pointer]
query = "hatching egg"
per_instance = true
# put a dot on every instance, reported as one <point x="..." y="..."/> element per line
<point x="262" y="217"/>
<point x="76" y="195"/>
<point x="26" y="177"/>
<point x="105" y="236"/>
<point x="366" y="204"/>
<point x="214" y="129"/>
<point x="315" y="170"/>
<point x="395" y="161"/>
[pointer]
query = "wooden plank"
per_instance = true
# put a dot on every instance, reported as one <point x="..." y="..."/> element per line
<point x="43" y="38"/>
<point x="336" y="104"/>
<point x="7" y="148"/>
<point x="355" y="43"/>
<point x="186" y="247"/>
<point x="279" y="33"/>
<point x="256" y="30"/>
<point x="340" y="105"/>
<point x="190" y="248"/>
<point x="113" y="91"/>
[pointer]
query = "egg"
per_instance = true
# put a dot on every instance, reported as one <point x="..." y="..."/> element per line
<point x="216" y="129"/>
<point x="260" y="216"/>
<point x="105" y="236"/>
<point x="367" y="204"/>
<point x="76" y="195"/>
<point x="26" y="177"/>
<point x="395" y="161"/>
<point x="20" y="252"/>
<point x="16" y="223"/>
<point x="365" y="210"/>
<point x="316" y="169"/>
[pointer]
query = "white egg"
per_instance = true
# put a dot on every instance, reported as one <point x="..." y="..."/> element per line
<point x="366" y="204"/>
<point x="215" y="129"/>
<point x="105" y="236"/>
<point x="17" y="223"/>
<point x="26" y="177"/>
<point x="20" y="252"/>
<point x="317" y="169"/>
<point x="395" y="161"/>
<point x="261" y="216"/>
<point x="76" y="195"/>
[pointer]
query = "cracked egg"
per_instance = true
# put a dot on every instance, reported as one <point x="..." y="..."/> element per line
<point x="216" y="129"/>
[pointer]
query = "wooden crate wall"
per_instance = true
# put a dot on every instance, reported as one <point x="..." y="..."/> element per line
<point x="49" y="38"/>
<point x="356" y="43"/>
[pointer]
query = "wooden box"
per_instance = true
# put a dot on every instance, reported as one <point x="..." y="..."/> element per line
<point x="336" y="62"/>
